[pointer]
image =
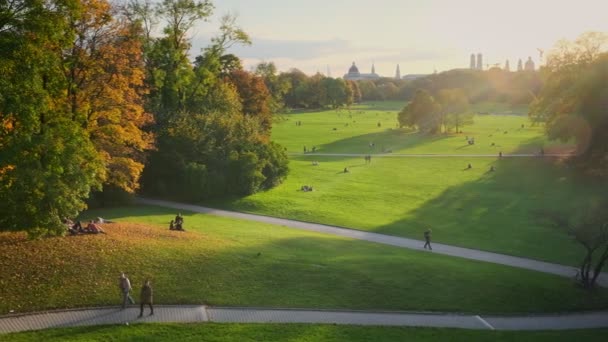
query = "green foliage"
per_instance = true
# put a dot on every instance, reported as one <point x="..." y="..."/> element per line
<point x="574" y="99"/>
<point x="212" y="155"/>
<point x="454" y="109"/>
<point x="50" y="181"/>
<point x="422" y="112"/>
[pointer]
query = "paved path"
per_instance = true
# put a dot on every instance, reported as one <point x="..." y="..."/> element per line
<point x="431" y="155"/>
<point x="467" y="253"/>
<point x="202" y="314"/>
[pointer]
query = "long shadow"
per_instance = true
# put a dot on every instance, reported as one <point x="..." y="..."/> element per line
<point x="383" y="142"/>
<point x="499" y="212"/>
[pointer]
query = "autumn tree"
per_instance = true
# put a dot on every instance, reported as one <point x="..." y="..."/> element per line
<point x="574" y="98"/>
<point x="254" y="95"/>
<point x="48" y="164"/>
<point x="104" y="75"/>
<point x="278" y="86"/>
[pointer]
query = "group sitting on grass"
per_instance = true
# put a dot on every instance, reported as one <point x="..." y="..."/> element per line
<point x="306" y="188"/>
<point x="177" y="224"/>
<point x="93" y="227"/>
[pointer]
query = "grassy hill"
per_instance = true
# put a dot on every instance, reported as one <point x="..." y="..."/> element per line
<point x="221" y="261"/>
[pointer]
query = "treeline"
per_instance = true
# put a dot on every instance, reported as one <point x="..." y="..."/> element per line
<point x="92" y="102"/>
<point x="295" y="89"/>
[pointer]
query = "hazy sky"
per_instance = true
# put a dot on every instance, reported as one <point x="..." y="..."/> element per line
<point x="420" y="35"/>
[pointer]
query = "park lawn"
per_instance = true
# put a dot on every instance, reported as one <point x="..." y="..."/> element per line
<point x="294" y="333"/>
<point x="352" y="131"/>
<point x="229" y="262"/>
<point x="494" y="211"/>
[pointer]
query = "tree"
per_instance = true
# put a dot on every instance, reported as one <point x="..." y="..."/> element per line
<point x="454" y="106"/>
<point x="104" y="75"/>
<point x="357" y="97"/>
<point x="575" y="96"/>
<point x="254" y="95"/>
<point x="48" y="164"/>
<point x="278" y="86"/>
<point x="422" y="112"/>
<point x="590" y="229"/>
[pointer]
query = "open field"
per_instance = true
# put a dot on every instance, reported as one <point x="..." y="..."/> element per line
<point x="293" y="333"/>
<point x="228" y="262"/>
<point x="357" y="128"/>
<point x="495" y="211"/>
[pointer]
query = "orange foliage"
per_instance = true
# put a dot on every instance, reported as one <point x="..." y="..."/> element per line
<point x="105" y="72"/>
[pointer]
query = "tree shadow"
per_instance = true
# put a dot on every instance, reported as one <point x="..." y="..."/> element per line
<point x="383" y="142"/>
<point x="498" y="211"/>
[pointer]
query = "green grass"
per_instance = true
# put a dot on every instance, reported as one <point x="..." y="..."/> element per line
<point x="217" y="262"/>
<point x="293" y="333"/>
<point x="403" y="196"/>
<point x="355" y="129"/>
<point x="494" y="211"/>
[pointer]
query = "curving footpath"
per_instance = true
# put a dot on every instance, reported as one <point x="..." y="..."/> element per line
<point x="467" y="253"/>
<point x="207" y="314"/>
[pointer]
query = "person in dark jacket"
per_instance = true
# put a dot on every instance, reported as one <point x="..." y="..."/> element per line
<point x="427" y="238"/>
<point x="146" y="298"/>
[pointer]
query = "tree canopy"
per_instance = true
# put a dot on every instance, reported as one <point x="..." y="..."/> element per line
<point x="575" y="97"/>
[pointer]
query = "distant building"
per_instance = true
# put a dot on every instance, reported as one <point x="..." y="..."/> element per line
<point x="354" y="74"/>
<point x="479" y="61"/>
<point x="398" y="73"/>
<point x="473" y="66"/>
<point x="520" y="66"/>
<point x="507" y="66"/>
<point x="530" y="65"/>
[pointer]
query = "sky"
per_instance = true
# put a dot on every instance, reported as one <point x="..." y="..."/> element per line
<point x="420" y="35"/>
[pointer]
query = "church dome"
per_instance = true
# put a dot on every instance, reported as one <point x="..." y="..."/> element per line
<point x="353" y="69"/>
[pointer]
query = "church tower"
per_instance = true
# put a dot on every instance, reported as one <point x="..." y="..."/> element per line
<point x="530" y="65"/>
<point x="472" y="66"/>
<point x="507" y="66"/>
<point x="479" y="61"/>
<point x="398" y="73"/>
<point x="373" y="68"/>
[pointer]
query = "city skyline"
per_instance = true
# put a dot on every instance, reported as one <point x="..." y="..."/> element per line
<point x="437" y="35"/>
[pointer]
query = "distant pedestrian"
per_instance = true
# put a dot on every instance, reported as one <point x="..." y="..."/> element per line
<point x="146" y="298"/>
<point x="304" y="149"/>
<point x="125" y="288"/>
<point x="427" y="238"/>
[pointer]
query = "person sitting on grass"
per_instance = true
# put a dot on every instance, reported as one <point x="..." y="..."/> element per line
<point x="94" y="228"/>
<point x="171" y="225"/>
<point x="346" y="170"/>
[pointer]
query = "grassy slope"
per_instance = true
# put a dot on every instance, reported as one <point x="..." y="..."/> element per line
<point x="355" y="129"/>
<point x="216" y="262"/>
<point x="293" y="333"/>
<point x="402" y="196"/>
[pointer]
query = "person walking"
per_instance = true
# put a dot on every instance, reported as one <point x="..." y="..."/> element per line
<point x="125" y="288"/>
<point x="427" y="238"/>
<point x="146" y="298"/>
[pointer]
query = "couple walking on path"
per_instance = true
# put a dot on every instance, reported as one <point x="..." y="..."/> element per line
<point x="145" y="298"/>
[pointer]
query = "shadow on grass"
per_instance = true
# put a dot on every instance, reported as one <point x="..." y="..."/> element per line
<point x="498" y="211"/>
<point x="383" y="142"/>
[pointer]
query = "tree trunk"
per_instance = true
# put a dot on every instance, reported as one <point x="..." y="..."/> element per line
<point x="598" y="268"/>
